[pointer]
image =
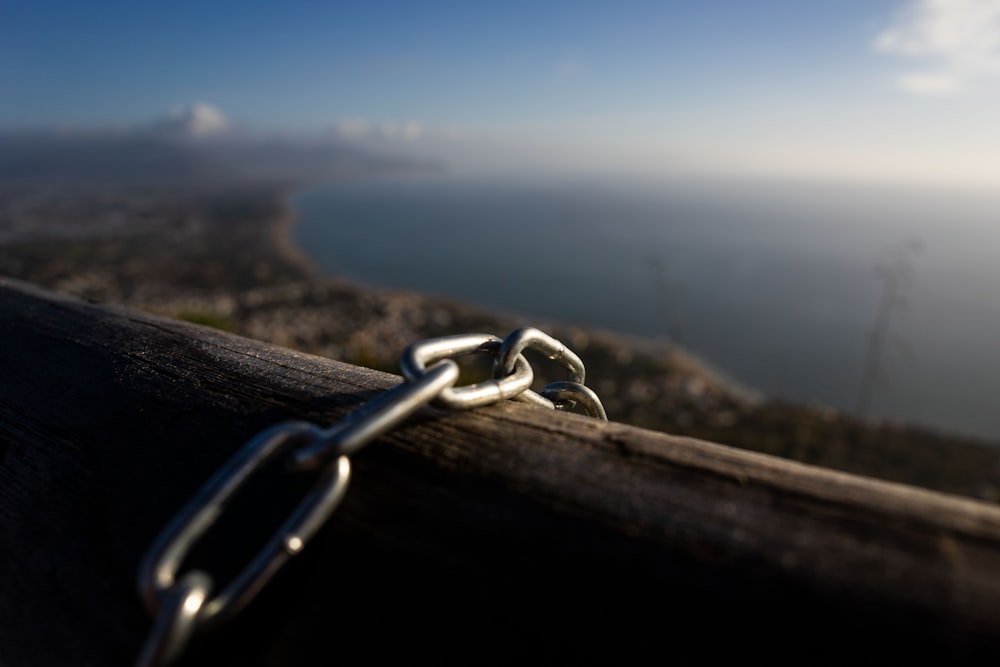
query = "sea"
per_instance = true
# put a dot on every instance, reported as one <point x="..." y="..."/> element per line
<point x="878" y="300"/>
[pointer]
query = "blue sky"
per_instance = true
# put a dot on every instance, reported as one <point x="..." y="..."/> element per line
<point x="905" y="90"/>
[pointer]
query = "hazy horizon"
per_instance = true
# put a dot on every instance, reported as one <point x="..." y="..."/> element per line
<point x="901" y="92"/>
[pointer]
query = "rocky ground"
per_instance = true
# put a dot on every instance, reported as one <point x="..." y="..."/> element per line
<point x="222" y="257"/>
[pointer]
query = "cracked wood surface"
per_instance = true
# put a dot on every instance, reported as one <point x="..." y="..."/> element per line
<point x="504" y="534"/>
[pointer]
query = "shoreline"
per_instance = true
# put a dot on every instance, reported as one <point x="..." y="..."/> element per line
<point x="283" y="238"/>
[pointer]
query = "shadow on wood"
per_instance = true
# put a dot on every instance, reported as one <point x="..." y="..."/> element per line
<point x="503" y="535"/>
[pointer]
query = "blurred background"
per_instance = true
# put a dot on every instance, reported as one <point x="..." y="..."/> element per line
<point x="794" y="203"/>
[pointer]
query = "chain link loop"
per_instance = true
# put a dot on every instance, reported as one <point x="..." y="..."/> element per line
<point x="163" y="560"/>
<point x="535" y="339"/>
<point x="183" y="606"/>
<point x="417" y="357"/>
<point x="573" y="393"/>
<point x="377" y="416"/>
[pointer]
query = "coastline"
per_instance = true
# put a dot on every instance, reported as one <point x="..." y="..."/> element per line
<point x="775" y="297"/>
<point x="283" y="240"/>
<point x="283" y="237"/>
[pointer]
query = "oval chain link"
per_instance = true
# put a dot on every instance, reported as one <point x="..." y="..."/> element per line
<point x="184" y="606"/>
<point x="163" y="560"/>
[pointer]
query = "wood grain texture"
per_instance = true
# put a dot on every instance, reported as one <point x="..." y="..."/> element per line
<point x="507" y="534"/>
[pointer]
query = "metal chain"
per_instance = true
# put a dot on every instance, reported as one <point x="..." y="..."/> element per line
<point x="184" y="606"/>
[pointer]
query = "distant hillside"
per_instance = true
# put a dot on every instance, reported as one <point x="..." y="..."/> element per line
<point x="174" y="155"/>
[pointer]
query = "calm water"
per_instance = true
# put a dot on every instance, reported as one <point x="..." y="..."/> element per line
<point x="775" y="285"/>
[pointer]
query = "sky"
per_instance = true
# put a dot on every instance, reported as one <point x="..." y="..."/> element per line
<point x="867" y="90"/>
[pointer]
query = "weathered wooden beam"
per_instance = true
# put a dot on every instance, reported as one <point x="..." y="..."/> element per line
<point x="508" y="533"/>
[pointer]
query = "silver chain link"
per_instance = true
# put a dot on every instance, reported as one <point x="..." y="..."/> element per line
<point x="184" y="606"/>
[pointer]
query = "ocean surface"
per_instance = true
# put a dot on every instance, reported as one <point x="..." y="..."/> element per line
<point x="777" y="285"/>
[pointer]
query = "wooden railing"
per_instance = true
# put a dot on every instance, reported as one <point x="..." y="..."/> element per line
<point x="504" y="535"/>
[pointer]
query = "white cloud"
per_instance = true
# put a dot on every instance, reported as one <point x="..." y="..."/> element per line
<point x="960" y="37"/>
<point x="353" y="128"/>
<point x="408" y="131"/>
<point x="198" y="119"/>
<point x="930" y="83"/>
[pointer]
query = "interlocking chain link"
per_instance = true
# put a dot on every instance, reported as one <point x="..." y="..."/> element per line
<point x="183" y="606"/>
